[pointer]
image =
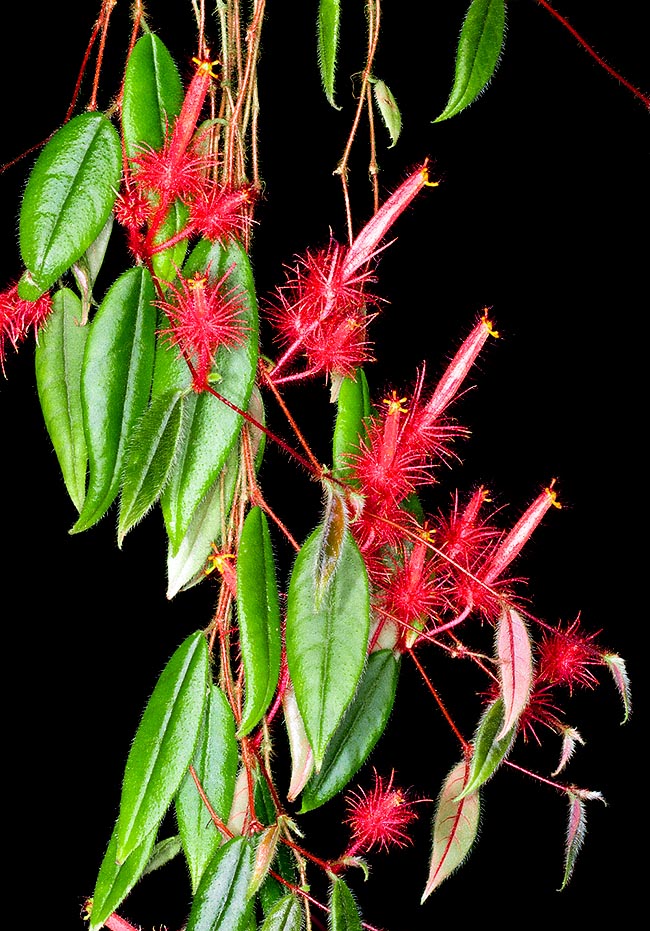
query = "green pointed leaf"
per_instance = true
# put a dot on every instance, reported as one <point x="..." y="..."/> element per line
<point x="59" y="358"/>
<point x="153" y="94"/>
<point x="344" y="914"/>
<point x="302" y="756"/>
<point x="115" y="385"/>
<point x="210" y="427"/>
<point x="353" y="406"/>
<point x="163" y="852"/>
<point x="68" y="199"/>
<point x="515" y="657"/>
<point x="479" y="50"/>
<point x="150" y="456"/>
<point x="361" y="727"/>
<point x="329" y="15"/>
<point x="167" y="262"/>
<point x="221" y="900"/>
<point x="455" y="826"/>
<point x="326" y="638"/>
<point x="258" y="614"/>
<point x="87" y="267"/>
<point x="215" y="763"/>
<point x="115" y="880"/>
<point x="489" y="749"/>
<point x="164" y="744"/>
<point x="387" y="106"/>
<point x="286" y="915"/>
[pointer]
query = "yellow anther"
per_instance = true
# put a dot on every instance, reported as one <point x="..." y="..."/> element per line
<point x="553" y="496"/>
<point x="217" y="561"/>
<point x="205" y="67"/>
<point x="197" y="282"/>
<point x="427" y="534"/>
<point x="425" y="178"/>
<point x="395" y="404"/>
<point x="488" y="324"/>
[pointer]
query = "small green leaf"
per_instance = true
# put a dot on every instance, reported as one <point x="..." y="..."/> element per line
<point x="115" y="880"/>
<point x="167" y="262"/>
<point x="68" y="199"/>
<point x="59" y="358"/>
<point x="164" y="744"/>
<point x="221" y="901"/>
<point x="115" y="385"/>
<point x="329" y="15"/>
<point x="353" y="406"/>
<point x="616" y="665"/>
<point x="479" y="50"/>
<point x="326" y="642"/>
<point x="150" y="456"/>
<point x="344" y="914"/>
<point x="286" y="915"/>
<point x="215" y="763"/>
<point x="361" y="727"/>
<point x="489" y="750"/>
<point x="163" y="853"/>
<point x="153" y="94"/>
<point x="387" y="106"/>
<point x="258" y="614"/>
<point x="335" y="524"/>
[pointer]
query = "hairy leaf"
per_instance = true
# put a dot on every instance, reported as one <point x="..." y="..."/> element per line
<point x="215" y="764"/>
<point x="387" y="106"/>
<point x="515" y="666"/>
<point x="164" y="744"/>
<point x="258" y="614"/>
<point x="618" y="670"/>
<point x="570" y="739"/>
<point x="302" y="757"/>
<point x="455" y="826"/>
<point x="59" y="358"/>
<point x="221" y="900"/>
<point x="167" y="262"/>
<point x="489" y="749"/>
<point x="479" y="50"/>
<point x="344" y="915"/>
<point x="576" y="829"/>
<point x="286" y="915"/>
<point x="69" y="196"/>
<point x="361" y="727"/>
<point x="326" y="639"/>
<point x="353" y="406"/>
<point x="115" y="880"/>
<point x="115" y="385"/>
<point x="329" y="15"/>
<point x="153" y="94"/>
<point x="163" y="853"/>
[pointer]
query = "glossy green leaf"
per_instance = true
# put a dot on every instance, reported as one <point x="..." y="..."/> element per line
<point x="221" y="900"/>
<point x="163" y="853"/>
<point x="59" y="358"/>
<point x="153" y="94"/>
<point x="387" y="106"/>
<point x="258" y="615"/>
<point x="286" y="915"/>
<point x="68" y="199"/>
<point x="479" y="50"/>
<point x="215" y="763"/>
<point x="326" y="644"/>
<point x="115" y="880"/>
<point x="87" y="267"/>
<point x="344" y="914"/>
<point x="361" y="726"/>
<point x="210" y="426"/>
<point x="353" y="406"/>
<point x="489" y="751"/>
<point x="149" y="460"/>
<point x="329" y="16"/>
<point x="164" y="743"/>
<point x="455" y="826"/>
<point x="167" y="262"/>
<point x="115" y="385"/>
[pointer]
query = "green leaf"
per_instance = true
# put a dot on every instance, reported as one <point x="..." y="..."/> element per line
<point x="479" y="50"/>
<point x="215" y="763"/>
<point x="326" y="639"/>
<point x="344" y="915"/>
<point x="210" y="426"/>
<point x="455" y="826"/>
<point x="150" y="456"/>
<point x="153" y="95"/>
<point x="329" y="14"/>
<point x="163" y="853"/>
<point x="115" y="880"/>
<point x="353" y="406"/>
<point x="115" y="385"/>
<point x="166" y="263"/>
<point x="164" y="744"/>
<point x="286" y="915"/>
<point x="68" y="199"/>
<point x="221" y="901"/>
<point x="387" y="106"/>
<point x="59" y="358"/>
<point x="361" y="727"/>
<point x="258" y="614"/>
<point x="489" y="750"/>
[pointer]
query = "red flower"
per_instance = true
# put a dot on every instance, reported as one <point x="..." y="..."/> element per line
<point x="203" y="317"/>
<point x="219" y="214"/>
<point x="378" y="818"/>
<point x="18" y="317"/>
<point x="566" y="655"/>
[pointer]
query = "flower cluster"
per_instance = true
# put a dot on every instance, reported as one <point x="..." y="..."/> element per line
<point x="19" y="317"/>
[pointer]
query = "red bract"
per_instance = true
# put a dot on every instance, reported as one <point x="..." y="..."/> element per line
<point x="204" y="316"/>
<point x="566" y="655"/>
<point x="378" y="818"/>
<point x="18" y="317"/>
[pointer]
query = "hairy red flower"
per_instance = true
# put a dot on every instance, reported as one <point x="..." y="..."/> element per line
<point x="566" y="655"/>
<point x="18" y="317"/>
<point x="378" y="818"/>
<point x="219" y="214"/>
<point x="204" y="316"/>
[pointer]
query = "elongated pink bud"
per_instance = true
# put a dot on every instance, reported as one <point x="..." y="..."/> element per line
<point x="187" y="119"/>
<point x="365" y="245"/>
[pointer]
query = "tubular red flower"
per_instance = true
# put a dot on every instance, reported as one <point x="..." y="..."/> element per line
<point x="18" y="317"/>
<point x="219" y="214"/>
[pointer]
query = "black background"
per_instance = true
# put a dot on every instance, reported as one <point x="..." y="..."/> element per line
<point x="541" y="215"/>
